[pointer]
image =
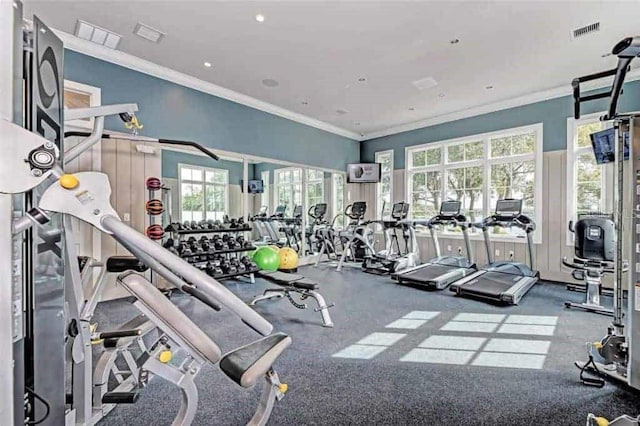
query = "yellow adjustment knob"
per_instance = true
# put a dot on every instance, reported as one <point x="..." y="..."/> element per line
<point x="601" y="421"/>
<point x="69" y="181"/>
<point x="283" y="387"/>
<point x="597" y="345"/>
<point x="165" y="356"/>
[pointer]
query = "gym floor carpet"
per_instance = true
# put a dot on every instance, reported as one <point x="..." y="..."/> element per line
<point x="449" y="386"/>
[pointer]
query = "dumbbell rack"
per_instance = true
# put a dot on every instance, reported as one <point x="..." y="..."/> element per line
<point x="250" y="273"/>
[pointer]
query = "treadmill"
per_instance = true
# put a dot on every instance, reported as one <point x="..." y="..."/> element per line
<point x="441" y="271"/>
<point x="506" y="281"/>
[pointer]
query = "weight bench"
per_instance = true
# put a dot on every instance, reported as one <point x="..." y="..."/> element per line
<point x="244" y="365"/>
<point x="293" y="283"/>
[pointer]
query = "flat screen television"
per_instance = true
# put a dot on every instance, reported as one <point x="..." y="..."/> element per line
<point x="604" y="145"/>
<point x="255" y="186"/>
<point x="364" y="173"/>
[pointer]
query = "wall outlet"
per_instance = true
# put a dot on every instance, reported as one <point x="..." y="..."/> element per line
<point x="449" y="248"/>
<point x="126" y="217"/>
<point x="459" y="250"/>
<point x="511" y="254"/>
<point x="497" y="253"/>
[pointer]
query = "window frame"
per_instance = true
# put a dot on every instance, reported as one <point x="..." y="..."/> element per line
<point x="265" y="196"/>
<point x="379" y="200"/>
<point x="204" y="184"/>
<point x="573" y="151"/>
<point x="277" y="183"/>
<point x="334" y="197"/>
<point x="486" y="162"/>
<point x="314" y="182"/>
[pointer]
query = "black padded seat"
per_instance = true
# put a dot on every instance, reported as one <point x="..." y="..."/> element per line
<point x="125" y="263"/>
<point x="247" y="364"/>
<point x="286" y="279"/>
<point x="305" y="283"/>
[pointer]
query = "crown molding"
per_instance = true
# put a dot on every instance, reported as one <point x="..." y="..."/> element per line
<point x="135" y="63"/>
<point x="531" y="98"/>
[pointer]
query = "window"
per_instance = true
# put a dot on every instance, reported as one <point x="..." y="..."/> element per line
<point x="288" y="187"/>
<point x="384" y="189"/>
<point x="338" y="198"/>
<point x="315" y="187"/>
<point x="204" y="193"/>
<point x="591" y="183"/>
<point x="78" y="95"/>
<point x="478" y="171"/>
<point x="264" y="197"/>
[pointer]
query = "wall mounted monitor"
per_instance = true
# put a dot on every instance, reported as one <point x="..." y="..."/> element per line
<point x="364" y="173"/>
<point x="604" y="145"/>
<point x="256" y="186"/>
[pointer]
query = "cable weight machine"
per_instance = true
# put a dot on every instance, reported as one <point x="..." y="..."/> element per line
<point x="617" y="355"/>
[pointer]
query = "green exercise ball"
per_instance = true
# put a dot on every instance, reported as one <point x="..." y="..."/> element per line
<point x="266" y="259"/>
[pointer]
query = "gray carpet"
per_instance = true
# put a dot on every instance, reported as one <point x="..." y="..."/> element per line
<point x="384" y="391"/>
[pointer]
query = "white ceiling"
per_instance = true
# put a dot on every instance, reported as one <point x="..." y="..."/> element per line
<point x="317" y="51"/>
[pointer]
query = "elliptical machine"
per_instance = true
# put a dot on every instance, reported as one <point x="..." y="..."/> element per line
<point x="357" y="237"/>
<point x="595" y="249"/>
<point x="393" y="258"/>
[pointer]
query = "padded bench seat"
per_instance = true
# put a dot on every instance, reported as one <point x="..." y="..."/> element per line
<point x="249" y="363"/>
<point x="285" y="279"/>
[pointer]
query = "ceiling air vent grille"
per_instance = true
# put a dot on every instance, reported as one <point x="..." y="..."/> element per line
<point x="588" y="29"/>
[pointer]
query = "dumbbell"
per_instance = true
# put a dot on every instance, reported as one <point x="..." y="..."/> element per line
<point x="169" y="243"/>
<point x="225" y="265"/>
<point x="205" y="245"/>
<point x="233" y="223"/>
<point x="240" y="239"/>
<point x="241" y="220"/>
<point x="218" y="244"/>
<point x="233" y="244"/>
<point x="191" y="239"/>
<point x="248" y="244"/>
<point x="210" y="268"/>
<point x="186" y="225"/>
<point x="225" y="237"/>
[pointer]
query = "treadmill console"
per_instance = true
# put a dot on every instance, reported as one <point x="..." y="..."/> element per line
<point x="280" y="211"/>
<point x="449" y="209"/>
<point x="508" y="209"/>
<point x="356" y="210"/>
<point x="400" y="210"/>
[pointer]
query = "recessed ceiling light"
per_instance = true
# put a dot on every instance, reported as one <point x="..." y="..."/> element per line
<point x="148" y="33"/>
<point x="441" y="95"/>
<point x="488" y="87"/>
<point x="362" y="79"/>
<point x="454" y="41"/>
<point x="412" y="109"/>
<point x="269" y="82"/>
<point x="42" y="30"/>
<point x="260" y="17"/>
<point x="207" y="64"/>
<point x="341" y="111"/>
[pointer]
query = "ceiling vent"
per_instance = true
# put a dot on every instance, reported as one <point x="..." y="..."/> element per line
<point x="148" y="33"/>
<point x="425" y="83"/>
<point x="583" y="31"/>
<point x="95" y="34"/>
<point x="341" y="111"/>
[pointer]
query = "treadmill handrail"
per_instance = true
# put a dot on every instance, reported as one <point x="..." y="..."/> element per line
<point x="521" y="221"/>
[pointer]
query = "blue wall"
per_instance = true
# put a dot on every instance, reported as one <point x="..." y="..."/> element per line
<point x="171" y="159"/>
<point x="552" y="113"/>
<point x="171" y="111"/>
